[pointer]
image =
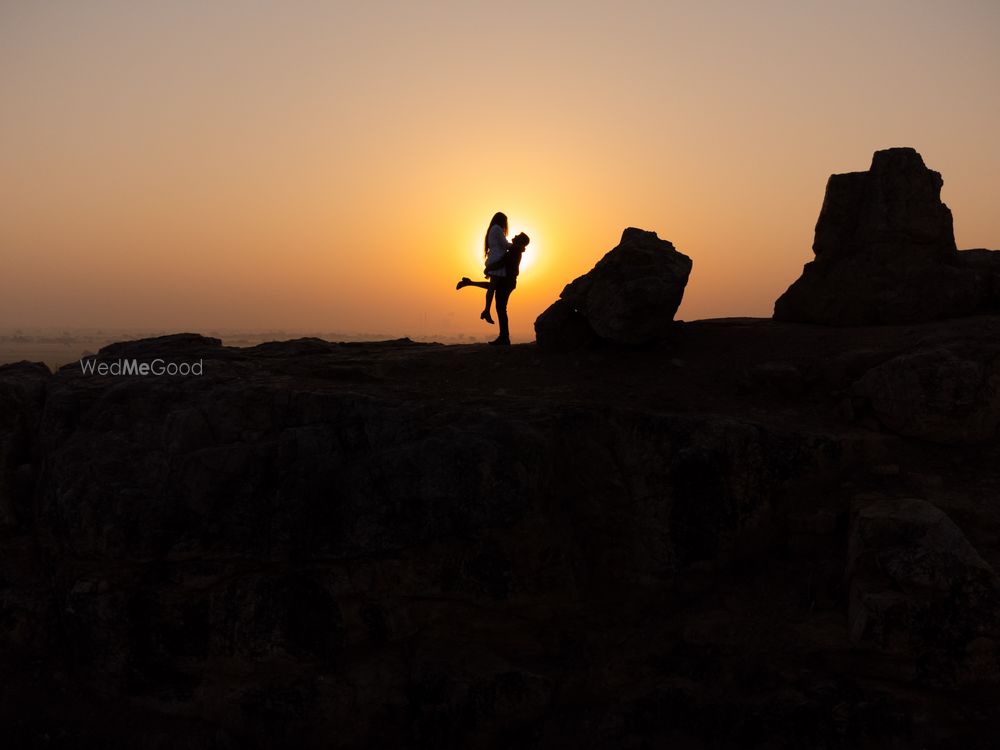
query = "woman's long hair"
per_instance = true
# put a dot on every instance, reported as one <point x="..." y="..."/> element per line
<point x="499" y="219"/>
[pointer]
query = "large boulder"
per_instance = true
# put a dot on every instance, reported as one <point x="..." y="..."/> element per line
<point x="560" y="326"/>
<point x="920" y="592"/>
<point x="885" y="252"/>
<point x="936" y="395"/>
<point x="630" y="296"/>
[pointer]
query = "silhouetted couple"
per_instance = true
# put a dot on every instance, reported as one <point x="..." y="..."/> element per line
<point x="503" y="263"/>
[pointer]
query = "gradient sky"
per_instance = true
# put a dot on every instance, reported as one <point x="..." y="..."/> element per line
<point x="332" y="166"/>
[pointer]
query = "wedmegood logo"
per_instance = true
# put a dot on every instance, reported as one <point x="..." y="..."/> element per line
<point x="133" y="367"/>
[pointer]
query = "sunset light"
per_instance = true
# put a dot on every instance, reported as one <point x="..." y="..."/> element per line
<point x="304" y="445"/>
<point x="331" y="167"/>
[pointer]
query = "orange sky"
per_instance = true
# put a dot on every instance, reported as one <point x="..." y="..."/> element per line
<point x="333" y="166"/>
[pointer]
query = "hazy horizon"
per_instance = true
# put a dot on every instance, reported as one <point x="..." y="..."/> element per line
<point x="331" y="167"/>
<point x="57" y="346"/>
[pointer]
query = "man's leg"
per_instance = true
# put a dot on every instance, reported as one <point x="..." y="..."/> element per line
<point x="504" y="289"/>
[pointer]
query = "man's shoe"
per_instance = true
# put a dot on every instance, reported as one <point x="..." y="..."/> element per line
<point x="500" y="342"/>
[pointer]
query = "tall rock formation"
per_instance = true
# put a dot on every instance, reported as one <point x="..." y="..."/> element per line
<point x="885" y="252"/>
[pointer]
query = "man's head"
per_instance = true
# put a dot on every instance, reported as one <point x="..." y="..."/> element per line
<point x="521" y="239"/>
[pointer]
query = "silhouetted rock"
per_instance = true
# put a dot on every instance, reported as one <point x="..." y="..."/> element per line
<point x="885" y="252"/>
<point x="561" y="327"/>
<point x="985" y="264"/>
<point x="629" y="297"/>
<point x="937" y="395"/>
<point x="893" y="211"/>
<point x="918" y="589"/>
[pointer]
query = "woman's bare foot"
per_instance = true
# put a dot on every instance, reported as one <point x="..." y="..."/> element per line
<point x="485" y="315"/>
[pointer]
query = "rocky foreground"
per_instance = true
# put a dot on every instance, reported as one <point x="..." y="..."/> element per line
<point x="753" y="534"/>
